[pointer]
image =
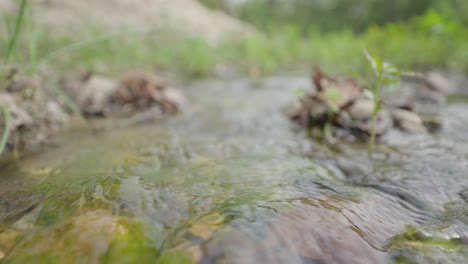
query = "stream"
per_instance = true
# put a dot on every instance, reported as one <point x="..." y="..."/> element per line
<point x="232" y="180"/>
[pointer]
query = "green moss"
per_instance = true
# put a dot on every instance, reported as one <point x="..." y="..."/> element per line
<point x="412" y="238"/>
<point x="403" y="260"/>
<point x="95" y="236"/>
<point x="282" y="49"/>
<point x="174" y="257"/>
<point x="132" y="247"/>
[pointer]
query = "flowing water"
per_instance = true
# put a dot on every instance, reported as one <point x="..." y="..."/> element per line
<point x="232" y="180"/>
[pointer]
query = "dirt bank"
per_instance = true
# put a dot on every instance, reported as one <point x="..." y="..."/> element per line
<point x="187" y="16"/>
<point x="41" y="107"/>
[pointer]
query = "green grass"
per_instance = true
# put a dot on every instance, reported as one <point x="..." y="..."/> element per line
<point x="11" y="48"/>
<point x="418" y="43"/>
<point x="6" y="127"/>
<point x="13" y="39"/>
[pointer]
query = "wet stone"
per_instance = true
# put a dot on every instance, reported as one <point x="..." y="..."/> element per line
<point x="408" y="121"/>
<point x="95" y="93"/>
<point x="342" y="105"/>
<point x="361" y="110"/>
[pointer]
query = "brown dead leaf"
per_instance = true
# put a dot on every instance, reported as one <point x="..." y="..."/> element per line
<point x="142" y="90"/>
<point x="95" y="94"/>
<point x="140" y="87"/>
<point x="336" y="92"/>
<point x="19" y="116"/>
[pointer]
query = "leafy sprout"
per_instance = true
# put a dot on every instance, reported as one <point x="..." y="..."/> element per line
<point x="12" y="43"/>
<point x="299" y="92"/>
<point x="6" y="127"/>
<point x="16" y="31"/>
<point x="331" y="96"/>
<point x="385" y="74"/>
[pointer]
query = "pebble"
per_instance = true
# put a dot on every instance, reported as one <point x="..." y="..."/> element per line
<point x="440" y="82"/>
<point x="95" y="94"/>
<point x="175" y="96"/>
<point x="361" y="110"/>
<point x="408" y="121"/>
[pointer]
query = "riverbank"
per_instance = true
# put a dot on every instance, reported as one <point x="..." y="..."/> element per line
<point x="37" y="78"/>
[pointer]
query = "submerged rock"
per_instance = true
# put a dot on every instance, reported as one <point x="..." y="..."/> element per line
<point x="317" y="233"/>
<point x="95" y="236"/>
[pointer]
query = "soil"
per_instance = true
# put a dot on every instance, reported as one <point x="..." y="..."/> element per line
<point x="185" y="16"/>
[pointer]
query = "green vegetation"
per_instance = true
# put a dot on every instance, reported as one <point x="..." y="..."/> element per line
<point x="284" y="50"/>
<point x="419" y="38"/>
<point x="16" y="31"/>
<point x="433" y="39"/>
<point x="29" y="46"/>
<point x="333" y="95"/>
<point x="174" y="257"/>
<point x="412" y="238"/>
<point x="11" y="47"/>
<point x="6" y="127"/>
<point x="335" y="15"/>
<point x="384" y="73"/>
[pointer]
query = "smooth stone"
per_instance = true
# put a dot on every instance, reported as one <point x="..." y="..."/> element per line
<point x="95" y="94"/>
<point x="408" y="121"/>
<point x="440" y="82"/>
<point x="361" y="110"/>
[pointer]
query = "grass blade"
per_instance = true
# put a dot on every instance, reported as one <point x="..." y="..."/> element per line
<point x="6" y="128"/>
<point x="16" y="31"/>
<point x="69" y="102"/>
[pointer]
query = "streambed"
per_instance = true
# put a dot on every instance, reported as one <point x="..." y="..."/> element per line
<point x="232" y="180"/>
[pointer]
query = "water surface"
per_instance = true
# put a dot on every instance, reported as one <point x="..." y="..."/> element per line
<point x="232" y="180"/>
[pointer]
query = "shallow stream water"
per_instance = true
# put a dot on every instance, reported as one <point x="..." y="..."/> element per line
<point x="232" y="180"/>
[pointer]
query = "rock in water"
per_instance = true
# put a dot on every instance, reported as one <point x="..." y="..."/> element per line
<point x="440" y="82"/>
<point x="361" y="110"/>
<point x="95" y="94"/>
<point x="408" y="121"/>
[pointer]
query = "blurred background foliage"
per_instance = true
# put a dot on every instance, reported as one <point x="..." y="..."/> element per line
<point x="333" y="15"/>
<point x="410" y="33"/>
<point x="294" y="36"/>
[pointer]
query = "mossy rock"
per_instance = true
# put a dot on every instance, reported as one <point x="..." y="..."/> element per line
<point x="89" y="237"/>
<point x="419" y="246"/>
<point x="172" y="257"/>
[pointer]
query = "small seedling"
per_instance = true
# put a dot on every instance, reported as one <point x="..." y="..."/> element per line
<point x="385" y="74"/>
<point x="12" y="43"/>
<point x="299" y="92"/>
<point x="6" y="127"/>
<point x="332" y="94"/>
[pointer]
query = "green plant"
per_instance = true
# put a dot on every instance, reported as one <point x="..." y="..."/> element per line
<point x="6" y="127"/>
<point x="11" y="47"/>
<point x="332" y="94"/>
<point x="16" y="31"/>
<point x="385" y="73"/>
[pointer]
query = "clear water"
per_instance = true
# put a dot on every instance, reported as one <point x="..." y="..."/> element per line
<point x="232" y="180"/>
